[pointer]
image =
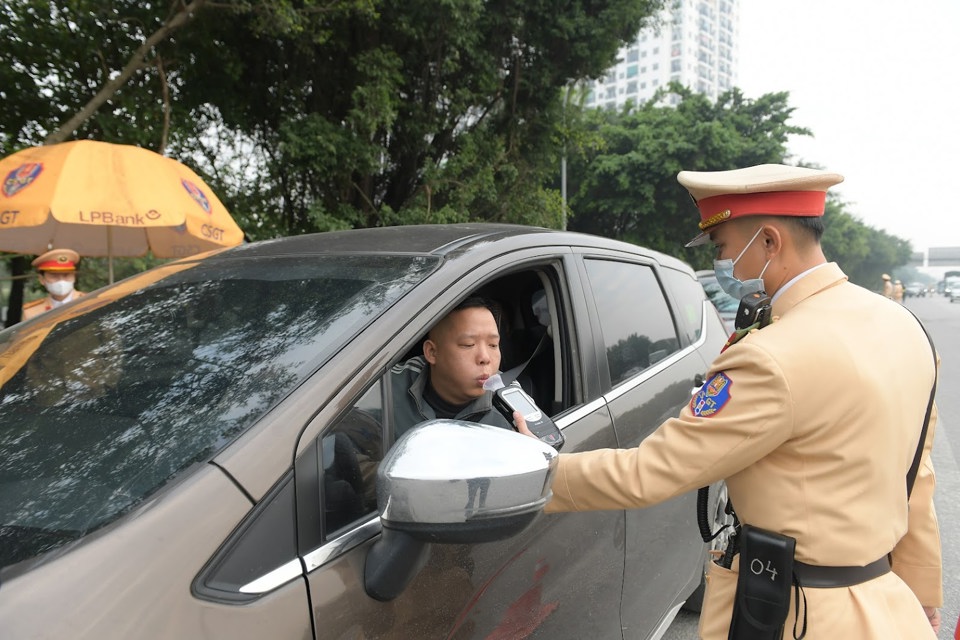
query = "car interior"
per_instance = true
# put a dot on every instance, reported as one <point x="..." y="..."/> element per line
<point x="527" y="309"/>
<point x="525" y="306"/>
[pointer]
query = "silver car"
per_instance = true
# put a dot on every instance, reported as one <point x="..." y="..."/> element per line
<point x="195" y="452"/>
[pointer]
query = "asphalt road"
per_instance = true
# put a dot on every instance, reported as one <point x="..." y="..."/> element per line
<point x="942" y="320"/>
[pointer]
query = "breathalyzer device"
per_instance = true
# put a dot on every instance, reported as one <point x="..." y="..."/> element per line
<point x="512" y="398"/>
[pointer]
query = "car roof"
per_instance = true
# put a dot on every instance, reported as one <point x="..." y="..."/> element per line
<point x="433" y="239"/>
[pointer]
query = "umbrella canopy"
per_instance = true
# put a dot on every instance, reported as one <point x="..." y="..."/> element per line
<point x="104" y="199"/>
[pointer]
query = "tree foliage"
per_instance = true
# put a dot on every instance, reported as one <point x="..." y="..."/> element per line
<point x="308" y="115"/>
<point x="863" y="252"/>
<point x="625" y="185"/>
<point x="419" y="112"/>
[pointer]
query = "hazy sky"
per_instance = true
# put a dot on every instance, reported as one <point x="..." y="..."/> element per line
<point x="876" y="81"/>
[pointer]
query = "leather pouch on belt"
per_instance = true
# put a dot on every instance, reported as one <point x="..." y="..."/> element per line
<point x="763" y="587"/>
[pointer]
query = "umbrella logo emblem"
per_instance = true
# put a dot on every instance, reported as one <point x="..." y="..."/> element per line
<point x="21" y="177"/>
<point x="196" y="194"/>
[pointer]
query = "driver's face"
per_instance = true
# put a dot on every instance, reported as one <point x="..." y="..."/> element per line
<point x="463" y="351"/>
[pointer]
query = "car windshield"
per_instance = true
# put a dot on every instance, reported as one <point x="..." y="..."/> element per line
<point x="104" y="403"/>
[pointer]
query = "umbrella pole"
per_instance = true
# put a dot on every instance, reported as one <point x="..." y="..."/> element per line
<point x="110" y="254"/>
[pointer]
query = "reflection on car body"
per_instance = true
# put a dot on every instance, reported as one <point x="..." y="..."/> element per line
<point x="201" y="442"/>
<point x="725" y="304"/>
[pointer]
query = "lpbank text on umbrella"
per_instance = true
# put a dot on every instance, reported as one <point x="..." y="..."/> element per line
<point x="137" y="220"/>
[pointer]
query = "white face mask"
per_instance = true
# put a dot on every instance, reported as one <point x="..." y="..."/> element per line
<point x="59" y="288"/>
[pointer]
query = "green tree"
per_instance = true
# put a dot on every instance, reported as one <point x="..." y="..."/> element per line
<point x="114" y="70"/>
<point x="864" y="253"/>
<point x="421" y="112"/>
<point x="626" y="186"/>
<point x="625" y="180"/>
<point x="308" y="115"/>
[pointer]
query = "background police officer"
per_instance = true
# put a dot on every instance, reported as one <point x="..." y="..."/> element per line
<point x="57" y="272"/>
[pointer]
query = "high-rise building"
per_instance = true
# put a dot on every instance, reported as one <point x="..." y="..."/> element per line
<point x="695" y="44"/>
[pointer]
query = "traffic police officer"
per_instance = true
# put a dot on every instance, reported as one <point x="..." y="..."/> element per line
<point x="57" y="271"/>
<point x="813" y="428"/>
<point x="887" y="286"/>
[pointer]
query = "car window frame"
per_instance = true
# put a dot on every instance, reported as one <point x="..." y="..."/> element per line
<point x="603" y="373"/>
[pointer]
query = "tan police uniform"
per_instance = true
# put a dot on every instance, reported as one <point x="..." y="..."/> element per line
<point x="814" y="430"/>
<point x="887" y="286"/>
<point x="58" y="261"/>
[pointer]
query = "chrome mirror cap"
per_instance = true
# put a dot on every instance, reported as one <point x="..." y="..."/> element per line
<point x="452" y="472"/>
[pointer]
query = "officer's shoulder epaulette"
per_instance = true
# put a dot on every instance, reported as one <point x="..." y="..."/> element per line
<point x="740" y="334"/>
<point x="30" y="305"/>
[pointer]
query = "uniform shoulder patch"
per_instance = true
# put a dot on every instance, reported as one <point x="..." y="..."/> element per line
<point x="33" y="303"/>
<point x="712" y="397"/>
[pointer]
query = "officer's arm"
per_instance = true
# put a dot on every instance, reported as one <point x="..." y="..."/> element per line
<point x="747" y="414"/>
<point x="916" y="558"/>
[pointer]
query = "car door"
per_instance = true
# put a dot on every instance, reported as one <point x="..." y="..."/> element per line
<point x="561" y="577"/>
<point x="649" y="371"/>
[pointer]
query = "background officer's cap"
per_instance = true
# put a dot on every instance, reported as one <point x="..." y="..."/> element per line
<point x="61" y="260"/>
<point x="766" y="189"/>
<point x="885" y="276"/>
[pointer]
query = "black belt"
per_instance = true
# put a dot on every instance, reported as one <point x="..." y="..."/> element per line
<point x="815" y="577"/>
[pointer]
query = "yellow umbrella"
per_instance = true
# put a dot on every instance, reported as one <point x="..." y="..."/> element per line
<point x="104" y="199"/>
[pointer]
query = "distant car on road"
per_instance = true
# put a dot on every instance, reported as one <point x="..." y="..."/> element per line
<point x="725" y="304"/>
<point x="951" y="288"/>
<point x="915" y="290"/>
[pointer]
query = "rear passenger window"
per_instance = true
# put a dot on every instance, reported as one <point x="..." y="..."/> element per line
<point x="689" y="297"/>
<point x="637" y="326"/>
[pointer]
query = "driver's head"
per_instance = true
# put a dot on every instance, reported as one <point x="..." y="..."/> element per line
<point x="463" y="350"/>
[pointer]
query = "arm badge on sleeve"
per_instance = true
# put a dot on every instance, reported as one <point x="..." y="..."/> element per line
<point x="712" y="397"/>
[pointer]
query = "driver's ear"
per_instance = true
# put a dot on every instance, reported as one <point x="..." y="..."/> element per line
<point x="430" y="351"/>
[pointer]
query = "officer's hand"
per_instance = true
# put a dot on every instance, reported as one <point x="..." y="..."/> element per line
<point x="522" y="424"/>
<point x="933" y="615"/>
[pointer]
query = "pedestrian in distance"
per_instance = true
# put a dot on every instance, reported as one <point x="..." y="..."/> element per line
<point x="898" y="291"/>
<point x="57" y="272"/>
<point x="814" y="430"/>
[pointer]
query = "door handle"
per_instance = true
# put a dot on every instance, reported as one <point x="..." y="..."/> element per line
<point x="697" y="383"/>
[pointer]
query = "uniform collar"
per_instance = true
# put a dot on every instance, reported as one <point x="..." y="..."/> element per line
<point x="794" y="279"/>
<point x="53" y="304"/>
<point x="807" y="284"/>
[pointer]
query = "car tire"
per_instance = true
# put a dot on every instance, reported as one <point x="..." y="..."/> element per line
<point x="718" y="518"/>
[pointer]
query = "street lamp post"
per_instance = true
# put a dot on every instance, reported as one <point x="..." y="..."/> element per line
<point x="563" y="160"/>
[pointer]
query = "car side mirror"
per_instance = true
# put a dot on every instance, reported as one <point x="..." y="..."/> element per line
<point x="453" y="482"/>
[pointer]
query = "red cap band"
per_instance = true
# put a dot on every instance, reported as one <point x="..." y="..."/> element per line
<point x="717" y="209"/>
<point x="54" y="265"/>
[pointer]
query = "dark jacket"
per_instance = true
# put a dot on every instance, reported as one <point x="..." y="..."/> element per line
<point x="408" y="381"/>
